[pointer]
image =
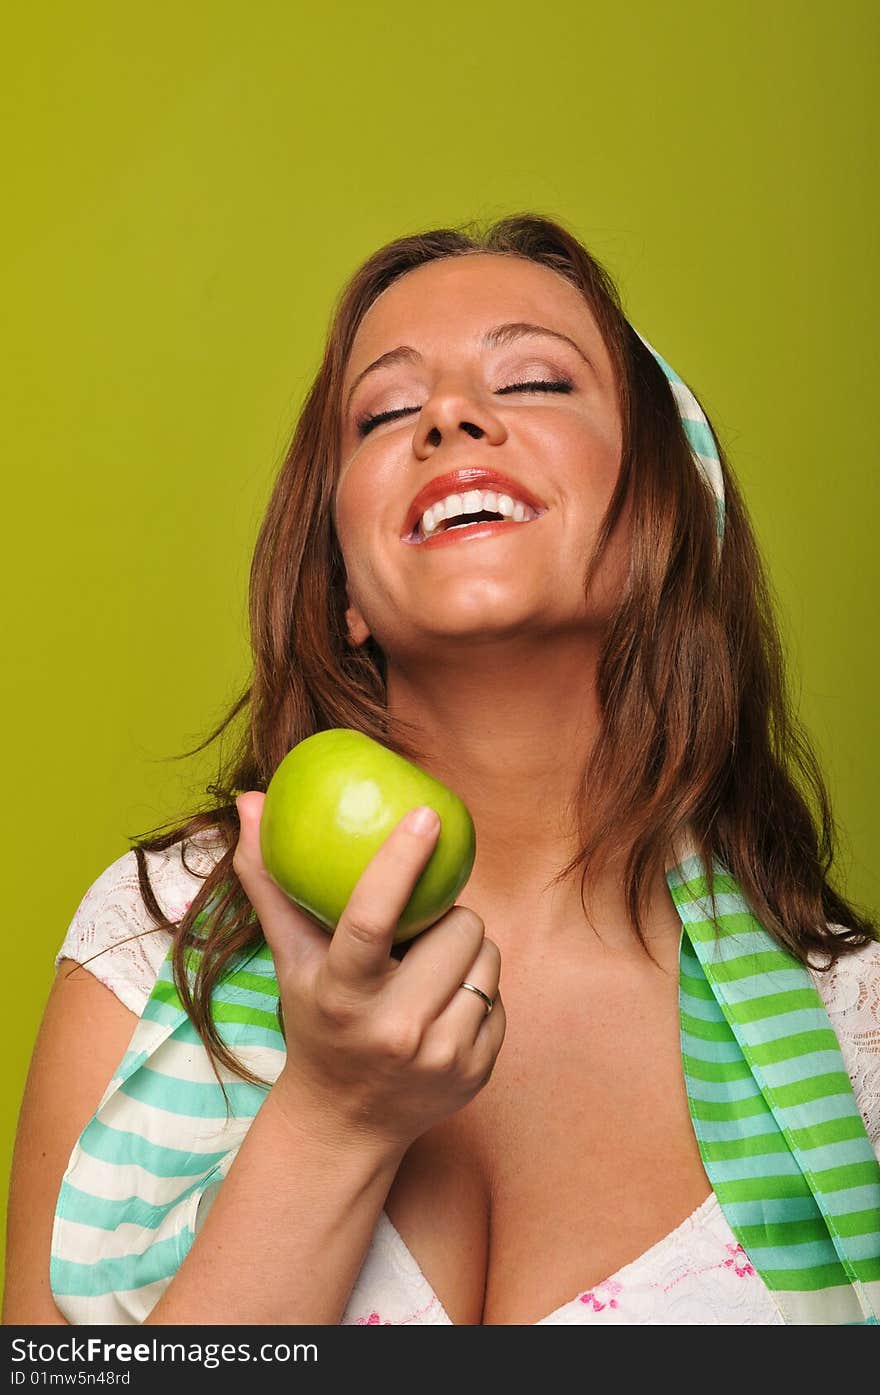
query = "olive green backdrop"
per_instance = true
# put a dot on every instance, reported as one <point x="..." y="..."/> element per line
<point x="186" y="189"/>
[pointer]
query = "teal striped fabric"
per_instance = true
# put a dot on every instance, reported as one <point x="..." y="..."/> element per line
<point x="779" y="1131"/>
<point x="704" y="448"/>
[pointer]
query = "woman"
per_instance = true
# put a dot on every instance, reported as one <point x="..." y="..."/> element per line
<point x="600" y="679"/>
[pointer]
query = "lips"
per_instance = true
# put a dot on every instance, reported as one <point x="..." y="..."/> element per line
<point x="457" y="482"/>
<point x="457" y="537"/>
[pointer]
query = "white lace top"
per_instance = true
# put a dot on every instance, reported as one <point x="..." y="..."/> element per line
<point x="697" y="1274"/>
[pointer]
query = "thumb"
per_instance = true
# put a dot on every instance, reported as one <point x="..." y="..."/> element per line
<point x="291" y="935"/>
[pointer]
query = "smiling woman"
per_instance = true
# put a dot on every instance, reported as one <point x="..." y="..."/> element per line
<point x="507" y="544"/>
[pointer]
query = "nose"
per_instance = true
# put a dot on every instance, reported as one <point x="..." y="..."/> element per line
<point x="447" y="412"/>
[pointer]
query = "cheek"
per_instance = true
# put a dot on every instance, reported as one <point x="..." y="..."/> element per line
<point x="360" y="489"/>
<point x="592" y="467"/>
<point x="602" y="446"/>
<point x="355" y="509"/>
<point x="348" y="509"/>
<point x="368" y="496"/>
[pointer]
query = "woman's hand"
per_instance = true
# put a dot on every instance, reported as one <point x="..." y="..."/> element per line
<point x="383" y="1045"/>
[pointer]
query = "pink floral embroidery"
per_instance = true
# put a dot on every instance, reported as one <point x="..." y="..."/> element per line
<point x="420" y="1312"/>
<point x="737" y="1260"/>
<point x="375" y="1320"/>
<point x="740" y="1266"/>
<point x="608" y="1289"/>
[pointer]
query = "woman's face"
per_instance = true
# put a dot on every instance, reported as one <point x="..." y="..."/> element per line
<point x="457" y="412"/>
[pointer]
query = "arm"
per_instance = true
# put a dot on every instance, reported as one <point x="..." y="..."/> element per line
<point x="290" y="1225"/>
<point x="82" y="1037"/>
<point x="377" y="1051"/>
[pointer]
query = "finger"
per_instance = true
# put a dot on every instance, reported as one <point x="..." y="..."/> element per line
<point x="466" y="1012"/>
<point x="290" y="934"/>
<point x="360" y="949"/>
<point x="477" y="1047"/>
<point x="489" y="1039"/>
<point x="438" y="960"/>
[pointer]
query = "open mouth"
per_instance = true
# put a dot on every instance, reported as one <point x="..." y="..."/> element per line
<point x="494" y="499"/>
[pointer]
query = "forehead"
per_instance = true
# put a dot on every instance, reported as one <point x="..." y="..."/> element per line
<point x="451" y="301"/>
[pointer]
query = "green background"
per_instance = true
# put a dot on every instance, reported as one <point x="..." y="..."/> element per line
<point x="187" y="188"/>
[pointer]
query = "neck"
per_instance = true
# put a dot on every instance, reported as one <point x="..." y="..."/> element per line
<point x="510" y="728"/>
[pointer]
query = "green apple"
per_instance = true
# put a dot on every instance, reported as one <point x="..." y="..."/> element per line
<point x="330" y="805"/>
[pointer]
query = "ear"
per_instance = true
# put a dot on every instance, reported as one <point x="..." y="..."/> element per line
<point x="358" y="629"/>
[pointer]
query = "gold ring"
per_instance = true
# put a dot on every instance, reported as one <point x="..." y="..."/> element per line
<point x="490" y="1002"/>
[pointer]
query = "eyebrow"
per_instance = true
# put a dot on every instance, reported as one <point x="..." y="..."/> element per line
<point x="493" y="338"/>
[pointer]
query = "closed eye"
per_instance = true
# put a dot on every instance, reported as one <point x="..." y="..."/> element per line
<point x="366" y="424"/>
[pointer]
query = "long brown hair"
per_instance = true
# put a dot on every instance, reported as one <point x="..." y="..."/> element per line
<point x="697" y="727"/>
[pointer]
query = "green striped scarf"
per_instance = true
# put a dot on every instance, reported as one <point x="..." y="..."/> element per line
<point x="777" y="1124"/>
<point x="778" y="1127"/>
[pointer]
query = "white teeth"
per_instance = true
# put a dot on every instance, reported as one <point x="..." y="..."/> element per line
<point x="473" y="501"/>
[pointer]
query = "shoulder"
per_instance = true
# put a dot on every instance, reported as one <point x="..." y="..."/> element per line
<point x="850" y="990"/>
<point x="112" y="933"/>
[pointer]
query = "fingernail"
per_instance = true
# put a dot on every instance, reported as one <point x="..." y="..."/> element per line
<point x="422" y="820"/>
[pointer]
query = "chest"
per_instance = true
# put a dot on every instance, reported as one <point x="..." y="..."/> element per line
<point x="576" y="1157"/>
